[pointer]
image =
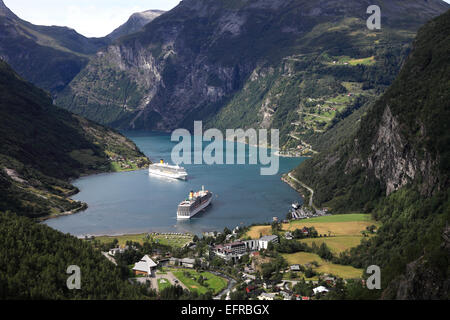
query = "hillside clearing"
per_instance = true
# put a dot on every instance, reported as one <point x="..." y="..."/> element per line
<point x="303" y="258"/>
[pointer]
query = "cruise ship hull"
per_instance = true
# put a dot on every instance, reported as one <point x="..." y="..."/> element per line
<point x="195" y="211"/>
<point x="167" y="175"/>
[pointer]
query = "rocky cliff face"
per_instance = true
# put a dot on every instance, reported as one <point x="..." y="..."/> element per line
<point x="393" y="159"/>
<point x="188" y="63"/>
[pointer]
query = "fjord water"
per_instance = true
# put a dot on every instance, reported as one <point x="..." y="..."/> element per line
<point x="134" y="202"/>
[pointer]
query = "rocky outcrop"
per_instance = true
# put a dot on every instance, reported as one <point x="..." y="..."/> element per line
<point x="393" y="160"/>
<point x="135" y="23"/>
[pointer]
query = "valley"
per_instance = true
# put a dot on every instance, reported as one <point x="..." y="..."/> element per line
<point x="363" y="175"/>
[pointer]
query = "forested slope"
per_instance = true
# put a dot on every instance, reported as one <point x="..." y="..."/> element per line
<point x="396" y="166"/>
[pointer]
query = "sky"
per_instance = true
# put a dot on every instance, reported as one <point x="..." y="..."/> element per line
<point x="91" y="18"/>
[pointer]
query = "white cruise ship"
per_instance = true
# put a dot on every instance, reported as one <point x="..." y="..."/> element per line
<point x="194" y="204"/>
<point x="166" y="170"/>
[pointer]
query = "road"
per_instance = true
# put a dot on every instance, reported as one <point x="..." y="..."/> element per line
<point x="109" y="258"/>
<point x="227" y="290"/>
<point x="311" y="204"/>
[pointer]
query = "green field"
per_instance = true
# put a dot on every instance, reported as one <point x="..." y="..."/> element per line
<point x="345" y="272"/>
<point x="353" y="62"/>
<point x="344" y="229"/>
<point x="214" y="283"/>
<point x="336" y="244"/>
<point x="338" y="218"/>
<point x="176" y="241"/>
<point x="342" y="232"/>
<point x="163" y="283"/>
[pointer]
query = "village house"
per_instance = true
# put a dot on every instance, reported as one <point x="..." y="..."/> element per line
<point x="235" y="250"/>
<point x="266" y="296"/>
<point x="263" y="242"/>
<point x="285" y="295"/>
<point x="115" y="251"/>
<point x="145" y="267"/>
<point x="295" y="267"/>
<point x="250" y="289"/>
<point x="230" y="251"/>
<point x="320" y="289"/>
<point x="187" y="263"/>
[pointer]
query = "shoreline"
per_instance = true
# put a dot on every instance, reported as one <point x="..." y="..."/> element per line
<point x="82" y="236"/>
<point x="84" y="206"/>
<point x="291" y="184"/>
<point x="285" y="179"/>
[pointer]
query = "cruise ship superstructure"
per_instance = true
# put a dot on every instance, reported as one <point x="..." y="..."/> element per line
<point x="162" y="169"/>
<point x="194" y="204"/>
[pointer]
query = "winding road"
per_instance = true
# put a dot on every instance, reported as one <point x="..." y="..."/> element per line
<point x="311" y="204"/>
<point x="227" y="290"/>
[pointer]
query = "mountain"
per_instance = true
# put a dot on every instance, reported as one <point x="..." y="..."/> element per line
<point x="43" y="146"/>
<point x="49" y="57"/>
<point x="249" y="63"/>
<point x="135" y="23"/>
<point x="396" y="166"/>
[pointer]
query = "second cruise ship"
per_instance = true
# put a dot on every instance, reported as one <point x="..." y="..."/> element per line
<point x="166" y="170"/>
<point x="194" y="204"/>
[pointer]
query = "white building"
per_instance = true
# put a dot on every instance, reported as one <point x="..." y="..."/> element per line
<point x="187" y="262"/>
<point x="266" y="296"/>
<point x="115" y="251"/>
<point x="145" y="267"/>
<point x="320" y="289"/>
<point x="263" y="243"/>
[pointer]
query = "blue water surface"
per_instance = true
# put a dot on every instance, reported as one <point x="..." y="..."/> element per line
<point x="134" y="202"/>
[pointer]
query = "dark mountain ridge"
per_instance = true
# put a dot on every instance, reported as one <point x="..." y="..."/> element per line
<point x="51" y="56"/>
<point x="48" y="56"/>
